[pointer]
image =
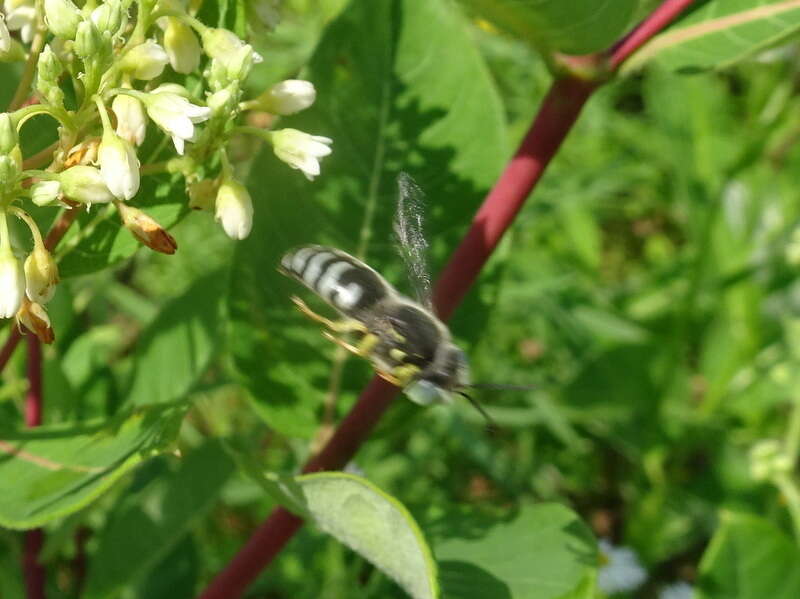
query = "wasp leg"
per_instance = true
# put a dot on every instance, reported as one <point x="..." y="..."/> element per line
<point x="362" y="348"/>
<point x="347" y="325"/>
<point x="400" y="376"/>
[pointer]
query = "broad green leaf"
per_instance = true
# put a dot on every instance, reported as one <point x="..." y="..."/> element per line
<point x="177" y="346"/>
<point x="146" y="526"/>
<point x="370" y="522"/>
<point x="720" y="33"/>
<point x="98" y="240"/>
<point x="57" y="470"/>
<point x="403" y="94"/>
<point x="749" y="558"/>
<point x="544" y="552"/>
<point x="569" y="26"/>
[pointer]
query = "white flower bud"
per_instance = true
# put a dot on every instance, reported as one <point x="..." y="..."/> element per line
<point x="5" y="38"/>
<point x="288" y="97"/>
<point x="62" y="18"/>
<point x="41" y="275"/>
<point x="300" y="150"/>
<point x="89" y="43"/>
<point x="45" y="192"/>
<point x="231" y="52"/>
<point x="182" y="46"/>
<point x="222" y="101"/>
<point x="109" y="17"/>
<point x="119" y="166"/>
<point x="12" y="283"/>
<point x="234" y="209"/>
<point x="85" y="184"/>
<point x="131" y="121"/>
<point x="175" y="115"/>
<point x="21" y="16"/>
<point x="8" y="133"/>
<point x="145" y="61"/>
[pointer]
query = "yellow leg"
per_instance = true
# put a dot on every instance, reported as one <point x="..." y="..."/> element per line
<point x="400" y="376"/>
<point x="340" y="326"/>
<point x="341" y="342"/>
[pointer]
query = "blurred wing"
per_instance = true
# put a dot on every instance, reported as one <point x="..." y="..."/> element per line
<point x="408" y="229"/>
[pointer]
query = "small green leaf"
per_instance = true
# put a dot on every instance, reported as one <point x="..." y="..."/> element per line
<point x="370" y="522"/>
<point x="58" y="470"/>
<point x="178" y="345"/>
<point x="544" y="552"/>
<point x="720" y="33"/>
<point x="569" y="26"/>
<point x="749" y="558"/>
<point x="146" y="526"/>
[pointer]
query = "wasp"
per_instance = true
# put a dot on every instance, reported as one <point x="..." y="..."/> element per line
<point x="403" y="339"/>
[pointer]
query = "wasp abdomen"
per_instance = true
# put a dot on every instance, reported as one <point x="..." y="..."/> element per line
<point x="340" y="279"/>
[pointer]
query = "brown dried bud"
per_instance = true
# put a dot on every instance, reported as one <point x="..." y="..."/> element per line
<point x="146" y="229"/>
<point x="33" y="317"/>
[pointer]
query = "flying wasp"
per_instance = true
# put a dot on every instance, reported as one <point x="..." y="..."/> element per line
<point x="407" y="344"/>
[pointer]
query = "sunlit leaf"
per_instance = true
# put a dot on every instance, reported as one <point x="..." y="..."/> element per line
<point x="720" y="33"/>
<point x="57" y="470"/>
<point x="543" y="552"/>
<point x="749" y="558"/>
<point x="148" y="524"/>
<point x="569" y="26"/>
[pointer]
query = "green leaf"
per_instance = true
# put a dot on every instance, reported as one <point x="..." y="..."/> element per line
<point x="749" y="558"/>
<point x="178" y="345"/>
<point x="413" y="92"/>
<point x="370" y="522"/>
<point x="720" y="33"/>
<point x="57" y="470"/>
<point x="98" y="240"/>
<point x="544" y="552"/>
<point x="569" y="26"/>
<point x="146" y="526"/>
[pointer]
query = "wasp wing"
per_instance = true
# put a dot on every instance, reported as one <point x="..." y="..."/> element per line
<point x="409" y="232"/>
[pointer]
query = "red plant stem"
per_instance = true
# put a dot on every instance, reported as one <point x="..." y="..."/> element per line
<point x="79" y="562"/>
<point x="34" y="572"/>
<point x="33" y="398"/>
<point x="34" y="539"/>
<point x="9" y="346"/>
<point x="558" y="112"/>
<point x="662" y="16"/>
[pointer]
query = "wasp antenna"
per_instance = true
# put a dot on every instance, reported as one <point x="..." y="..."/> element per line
<point x="501" y="387"/>
<point x="490" y="424"/>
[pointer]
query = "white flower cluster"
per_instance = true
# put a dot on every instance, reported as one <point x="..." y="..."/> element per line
<point x="115" y="55"/>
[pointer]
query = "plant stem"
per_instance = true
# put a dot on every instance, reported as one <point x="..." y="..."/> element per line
<point x="788" y="489"/>
<point x="9" y="346"/>
<point x="662" y="16"/>
<point x="24" y="87"/>
<point x="792" y="441"/>
<point x="557" y="114"/>
<point x="34" y="539"/>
